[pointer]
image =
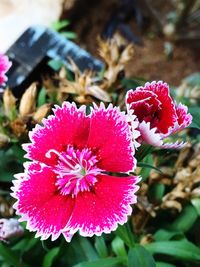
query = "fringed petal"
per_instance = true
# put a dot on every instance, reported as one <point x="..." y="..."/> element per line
<point x="106" y="206"/>
<point x="148" y="135"/>
<point x="39" y="202"/>
<point x="69" y="126"/>
<point x="111" y="137"/>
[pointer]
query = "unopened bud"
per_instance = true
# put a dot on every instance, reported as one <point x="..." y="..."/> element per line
<point x="28" y="101"/>
<point x="10" y="228"/>
<point x="41" y="112"/>
<point x="9" y="102"/>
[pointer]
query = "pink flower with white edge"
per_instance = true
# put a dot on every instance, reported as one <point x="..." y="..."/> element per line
<point x="157" y="114"/>
<point x="72" y="182"/>
<point x="4" y="67"/>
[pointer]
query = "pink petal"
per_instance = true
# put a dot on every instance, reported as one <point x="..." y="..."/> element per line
<point x="39" y="202"/>
<point x="110" y="136"/>
<point x="149" y="135"/>
<point x="68" y="236"/>
<point x="184" y="119"/>
<point x="167" y="113"/>
<point x="101" y="210"/>
<point x="5" y="64"/>
<point x="144" y="103"/>
<point x="69" y="125"/>
<point x="134" y="124"/>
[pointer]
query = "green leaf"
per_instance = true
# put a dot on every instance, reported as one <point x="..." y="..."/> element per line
<point x="41" y="97"/>
<point x="145" y="165"/>
<point x="182" y="249"/>
<point x="124" y="232"/>
<point x="9" y="165"/>
<point x="143" y="151"/>
<point x="140" y="257"/>
<point x="195" y="111"/>
<point x="26" y="244"/>
<point x="69" y="35"/>
<point x="165" y="235"/>
<point x="50" y="257"/>
<point x="149" y="166"/>
<point x="100" y="246"/>
<point x="118" y="247"/>
<point x="18" y="152"/>
<point x="102" y="262"/>
<point x="156" y="192"/>
<point x="10" y="257"/>
<point x="163" y="264"/>
<point x="58" y="25"/>
<point x="88" y="249"/>
<point x="185" y="220"/>
<point x="55" y="64"/>
<point x="196" y="203"/>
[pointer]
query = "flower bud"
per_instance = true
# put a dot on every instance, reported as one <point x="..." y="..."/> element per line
<point x="28" y="101"/>
<point x="8" y="102"/>
<point x="10" y="228"/>
<point x="41" y="112"/>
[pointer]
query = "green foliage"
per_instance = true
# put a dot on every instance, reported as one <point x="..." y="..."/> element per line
<point x="109" y="262"/>
<point x="140" y="257"/>
<point x="181" y="249"/>
<point x="101" y="247"/>
<point x="195" y="111"/>
<point x="41" y="100"/>
<point x="10" y="162"/>
<point x="50" y="257"/>
<point x="60" y="26"/>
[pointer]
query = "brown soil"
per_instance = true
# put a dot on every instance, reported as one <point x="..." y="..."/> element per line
<point x="150" y="61"/>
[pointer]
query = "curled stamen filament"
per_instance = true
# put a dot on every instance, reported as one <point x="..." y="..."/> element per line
<point x="63" y="159"/>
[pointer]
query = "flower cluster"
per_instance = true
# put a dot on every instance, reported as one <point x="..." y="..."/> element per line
<point x="156" y="113"/>
<point x="4" y="67"/>
<point x="74" y="181"/>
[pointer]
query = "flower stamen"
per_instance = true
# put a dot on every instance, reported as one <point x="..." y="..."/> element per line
<point x="76" y="170"/>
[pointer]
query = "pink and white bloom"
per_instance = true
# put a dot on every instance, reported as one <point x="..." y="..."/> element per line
<point x="157" y="114"/>
<point x="72" y="183"/>
<point x="4" y="67"/>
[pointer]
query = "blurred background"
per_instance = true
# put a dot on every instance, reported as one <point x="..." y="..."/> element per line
<point x="166" y="33"/>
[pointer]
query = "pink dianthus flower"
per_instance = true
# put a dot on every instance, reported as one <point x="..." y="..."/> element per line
<point x="4" y="67"/>
<point x="157" y="114"/>
<point x="72" y="183"/>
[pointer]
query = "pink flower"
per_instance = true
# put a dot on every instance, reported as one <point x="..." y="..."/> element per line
<point x="72" y="183"/>
<point x="4" y="67"/>
<point x="157" y="114"/>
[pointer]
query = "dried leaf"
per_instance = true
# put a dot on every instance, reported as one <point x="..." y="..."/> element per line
<point x="18" y="127"/>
